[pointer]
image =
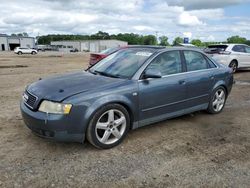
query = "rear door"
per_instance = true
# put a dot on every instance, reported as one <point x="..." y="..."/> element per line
<point x="25" y="50"/>
<point x="164" y="97"/>
<point x="247" y="49"/>
<point x="200" y="78"/>
<point x="241" y="55"/>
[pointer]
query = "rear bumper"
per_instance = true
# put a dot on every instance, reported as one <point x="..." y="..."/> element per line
<point x="51" y="126"/>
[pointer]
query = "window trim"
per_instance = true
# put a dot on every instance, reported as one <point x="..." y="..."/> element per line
<point x="140" y="79"/>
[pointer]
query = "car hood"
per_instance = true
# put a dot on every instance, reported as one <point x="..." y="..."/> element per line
<point x="63" y="86"/>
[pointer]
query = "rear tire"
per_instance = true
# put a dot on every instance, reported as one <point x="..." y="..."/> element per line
<point x="109" y="126"/>
<point x="233" y="65"/>
<point x="217" y="100"/>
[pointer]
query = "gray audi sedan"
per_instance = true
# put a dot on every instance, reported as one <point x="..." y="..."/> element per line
<point x="129" y="89"/>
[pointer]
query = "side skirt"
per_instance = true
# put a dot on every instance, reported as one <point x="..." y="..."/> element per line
<point x="169" y="116"/>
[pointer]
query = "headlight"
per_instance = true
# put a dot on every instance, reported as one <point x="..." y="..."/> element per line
<point x="54" y="107"/>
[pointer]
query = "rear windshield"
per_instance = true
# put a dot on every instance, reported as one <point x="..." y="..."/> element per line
<point x="215" y="48"/>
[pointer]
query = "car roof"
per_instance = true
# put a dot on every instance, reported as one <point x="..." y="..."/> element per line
<point x="146" y="46"/>
<point x="164" y="48"/>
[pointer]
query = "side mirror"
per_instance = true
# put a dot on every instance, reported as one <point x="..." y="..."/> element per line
<point x="152" y="73"/>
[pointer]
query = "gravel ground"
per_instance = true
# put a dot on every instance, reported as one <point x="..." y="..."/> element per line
<point x="196" y="150"/>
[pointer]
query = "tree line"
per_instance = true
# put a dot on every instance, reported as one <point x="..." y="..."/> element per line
<point x="132" y="39"/>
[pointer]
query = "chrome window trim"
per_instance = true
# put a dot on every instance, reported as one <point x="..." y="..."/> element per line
<point x="144" y="66"/>
<point x="181" y="73"/>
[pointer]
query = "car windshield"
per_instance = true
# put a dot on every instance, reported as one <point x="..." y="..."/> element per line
<point x="122" y="64"/>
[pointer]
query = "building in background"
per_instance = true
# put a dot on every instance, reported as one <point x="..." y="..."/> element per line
<point x="87" y="45"/>
<point x="8" y="43"/>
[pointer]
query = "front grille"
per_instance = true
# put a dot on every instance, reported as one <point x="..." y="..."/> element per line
<point x="29" y="99"/>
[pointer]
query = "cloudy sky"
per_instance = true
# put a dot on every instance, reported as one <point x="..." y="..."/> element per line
<point x="213" y="20"/>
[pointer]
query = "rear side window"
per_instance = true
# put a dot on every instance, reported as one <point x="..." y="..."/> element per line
<point x="247" y="49"/>
<point x="167" y="63"/>
<point x="214" y="49"/>
<point x="195" y="61"/>
<point x="239" y="48"/>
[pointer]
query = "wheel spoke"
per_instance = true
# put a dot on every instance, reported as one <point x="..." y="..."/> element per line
<point x="222" y="102"/>
<point x="116" y="133"/>
<point x="221" y="94"/>
<point x="217" y="107"/>
<point x="120" y="121"/>
<point x="111" y="115"/>
<point x="101" y="125"/>
<point x="105" y="136"/>
<point x="217" y="95"/>
<point x="215" y="102"/>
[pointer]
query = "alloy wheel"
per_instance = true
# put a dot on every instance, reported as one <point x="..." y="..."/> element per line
<point x="111" y="126"/>
<point x="233" y="66"/>
<point x="219" y="100"/>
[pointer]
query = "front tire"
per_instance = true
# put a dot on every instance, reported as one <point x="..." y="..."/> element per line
<point x="217" y="100"/>
<point x="19" y="53"/>
<point x="233" y="65"/>
<point x="109" y="126"/>
<point x="33" y="53"/>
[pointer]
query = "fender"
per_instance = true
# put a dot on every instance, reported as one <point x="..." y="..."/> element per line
<point x="113" y="98"/>
<point x="220" y="83"/>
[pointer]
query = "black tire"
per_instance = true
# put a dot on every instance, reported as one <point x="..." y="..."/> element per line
<point x="33" y="52"/>
<point x="211" y="107"/>
<point x="91" y="130"/>
<point x="234" y="65"/>
<point x="19" y="53"/>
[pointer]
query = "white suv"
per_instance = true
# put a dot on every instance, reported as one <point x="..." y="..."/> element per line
<point x="235" y="56"/>
<point x="21" y="51"/>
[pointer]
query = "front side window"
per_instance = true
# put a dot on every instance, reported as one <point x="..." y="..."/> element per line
<point x="195" y="61"/>
<point x="167" y="63"/>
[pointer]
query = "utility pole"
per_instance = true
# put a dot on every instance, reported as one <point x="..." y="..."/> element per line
<point x="156" y="34"/>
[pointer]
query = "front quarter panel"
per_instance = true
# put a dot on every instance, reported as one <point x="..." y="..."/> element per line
<point x="89" y="103"/>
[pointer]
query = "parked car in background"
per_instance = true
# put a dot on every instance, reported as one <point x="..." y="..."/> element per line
<point x="21" y="51"/>
<point x="96" y="57"/>
<point x="73" y="50"/>
<point x="236" y="56"/>
<point x="131" y="88"/>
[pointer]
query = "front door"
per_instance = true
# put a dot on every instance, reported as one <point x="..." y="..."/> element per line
<point x="161" y="98"/>
<point x="242" y="55"/>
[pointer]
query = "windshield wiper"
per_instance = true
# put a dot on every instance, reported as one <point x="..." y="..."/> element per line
<point x="106" y="74"/>
<point x="92" y="72"/>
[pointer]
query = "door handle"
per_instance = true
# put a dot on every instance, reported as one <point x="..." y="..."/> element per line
<point x="182" y="82"/>
<point x="212" y="77"/>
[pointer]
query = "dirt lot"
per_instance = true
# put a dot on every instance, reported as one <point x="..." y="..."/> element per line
<point x="197" y="150"/>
